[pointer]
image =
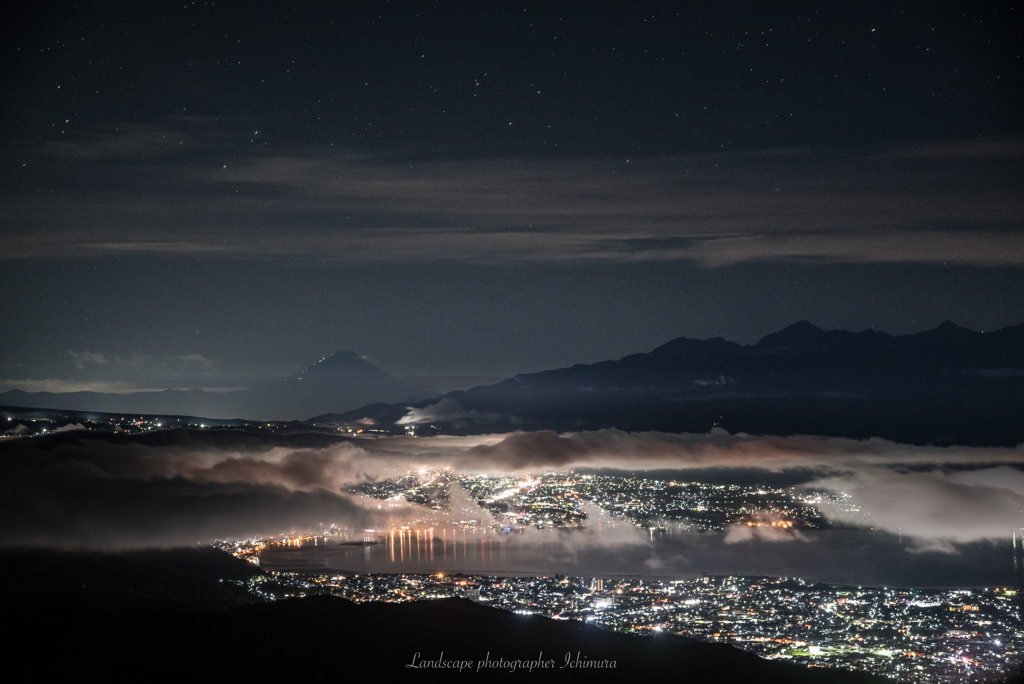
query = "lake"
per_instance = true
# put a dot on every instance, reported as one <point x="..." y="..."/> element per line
<point x="834" y="556"/>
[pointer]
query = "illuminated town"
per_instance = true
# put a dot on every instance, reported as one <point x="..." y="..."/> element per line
<point x="560" y="499"/>
<point x="48" y="423"/>
<point x="910" y="635"/>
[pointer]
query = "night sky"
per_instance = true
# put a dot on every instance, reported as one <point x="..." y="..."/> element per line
<point x="207" y="194"/>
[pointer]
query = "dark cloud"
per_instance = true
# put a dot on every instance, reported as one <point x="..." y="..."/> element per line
<point x="172" y="488"/>
<point x="178" y="486"/>
<point x="78" y="507"/>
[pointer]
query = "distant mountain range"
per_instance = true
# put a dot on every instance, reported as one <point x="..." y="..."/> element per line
<point x="944" y="386"/>
<point x="341" y="381"/>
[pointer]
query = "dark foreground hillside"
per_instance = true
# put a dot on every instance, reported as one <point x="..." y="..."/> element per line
<point x="143" y="629"/>
<point x="327" y="637"/>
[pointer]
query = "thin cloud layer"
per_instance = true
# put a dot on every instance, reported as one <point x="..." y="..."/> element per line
<point x="944" y="202"/>
<point x="449" y="410"/>
<point x="59" y="386"/>
<point x="137" y="372"/>
<point x="718" y="449"/>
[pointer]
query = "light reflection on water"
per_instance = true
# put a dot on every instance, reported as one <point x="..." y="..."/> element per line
<point x="858" y="557"/>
